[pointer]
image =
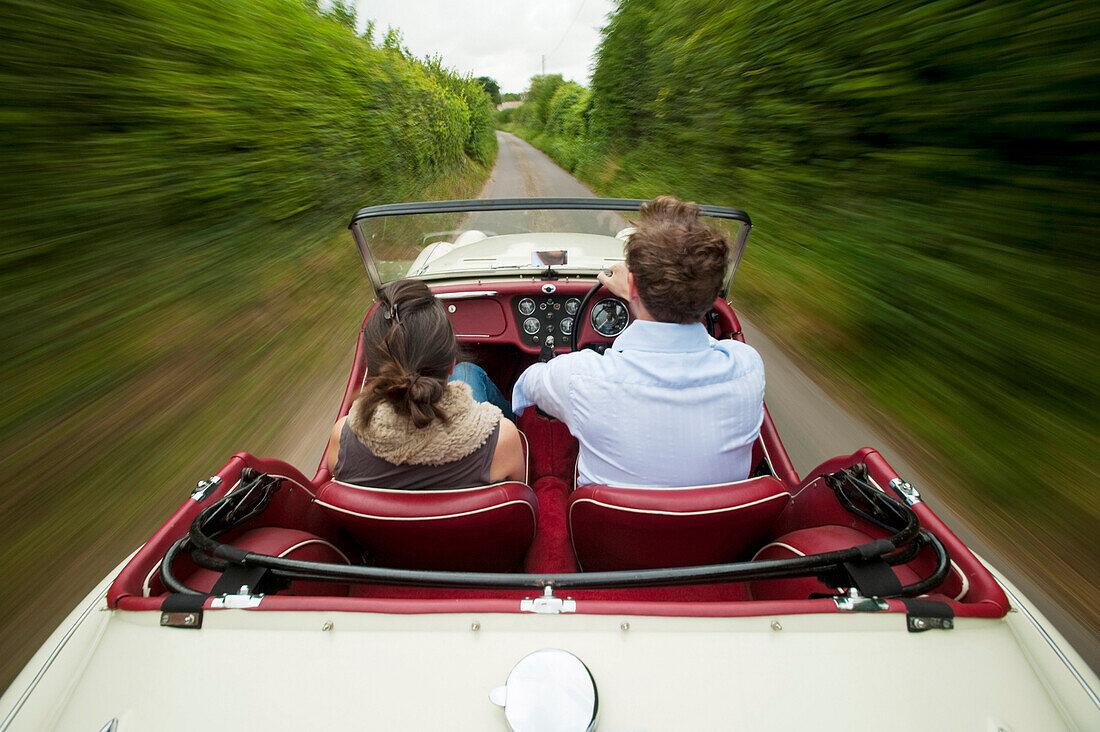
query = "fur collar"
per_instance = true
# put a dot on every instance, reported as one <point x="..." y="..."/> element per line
<point x="395" y="439"/>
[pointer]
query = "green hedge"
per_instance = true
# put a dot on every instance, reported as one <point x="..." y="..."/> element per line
<point x="151" y="149"/>
<point x="177" y="283"/>
<point x="922" y="176"/>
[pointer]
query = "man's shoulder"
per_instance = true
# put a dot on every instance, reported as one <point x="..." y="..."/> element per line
<point x="739" y="350"/>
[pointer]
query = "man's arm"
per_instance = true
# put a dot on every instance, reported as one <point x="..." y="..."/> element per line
<point x="547" y="385"/>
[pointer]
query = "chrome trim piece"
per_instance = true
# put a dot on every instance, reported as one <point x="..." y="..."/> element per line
<point x="49" y="661"/>
<point x="204" y="487"/>
<point x="464" y="295"/>
<point x="368" y="260"/>
<point x="859" y="604"/>
<point x="1054" y="646"/>
<point x="548" y="604"/>
<point x="241" y="601"/>
<point x="907" y="492"/>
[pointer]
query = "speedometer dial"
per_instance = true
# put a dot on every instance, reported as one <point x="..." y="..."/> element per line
<point x="609" y="317"/>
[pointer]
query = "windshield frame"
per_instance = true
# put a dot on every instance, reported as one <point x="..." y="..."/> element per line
<point x="519" y="204"/>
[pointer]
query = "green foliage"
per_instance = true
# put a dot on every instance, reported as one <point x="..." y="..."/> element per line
<point x="511" y="97"/>
<point x="175" y="177"/>
<point x="492" y="88"/>
<point x="564" y="133"/>
<point x="536" y="109"/>
<point x="567" y="116"/>
<point x="142" y="138"/>
<point x="343" y="12"/>
<point x="922" y="176"/>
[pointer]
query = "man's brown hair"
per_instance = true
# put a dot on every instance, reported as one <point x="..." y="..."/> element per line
<point x="678" y="262"/>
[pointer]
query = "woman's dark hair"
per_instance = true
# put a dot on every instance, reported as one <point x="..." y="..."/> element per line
<point x="410" y="350"/>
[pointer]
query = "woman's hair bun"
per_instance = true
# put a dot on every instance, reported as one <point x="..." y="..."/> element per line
<point x="410" y="349"/>
<point x="423" y="389"/>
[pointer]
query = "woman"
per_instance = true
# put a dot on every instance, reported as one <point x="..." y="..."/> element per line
<point x="411" y="428"/>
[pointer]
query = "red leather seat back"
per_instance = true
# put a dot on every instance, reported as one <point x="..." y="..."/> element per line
<point x="819" y="540"/>
<point x="483" y="529"/>
<point x="616" y="528"/>
<point x="290" y="544"/>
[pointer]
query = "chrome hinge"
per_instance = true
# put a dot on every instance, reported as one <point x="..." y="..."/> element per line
<point x="548" y="604"/>
<point x="203" y="489"/>
<point x="242" y="600"/>
<point x="920" y="624"/>
<point x="857" y="603"/>
<point x="185" y="619"/>
<point x="906" y="491"/>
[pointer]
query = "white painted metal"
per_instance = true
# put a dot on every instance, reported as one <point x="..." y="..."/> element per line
<point x="509" y="252"/>
<point x="254" y="669"/>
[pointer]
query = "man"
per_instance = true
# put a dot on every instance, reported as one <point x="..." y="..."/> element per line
<point x="667" y="404"/>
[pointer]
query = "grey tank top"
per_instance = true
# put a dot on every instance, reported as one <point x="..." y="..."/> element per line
<point x="356" y="464"/>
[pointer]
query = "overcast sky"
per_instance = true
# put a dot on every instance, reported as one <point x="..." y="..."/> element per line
<point x="504" y="39"/>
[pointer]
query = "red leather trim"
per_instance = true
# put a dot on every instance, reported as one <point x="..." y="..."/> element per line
<point x="130" y="580"/>
<point x="615" y="528"/>
<point x="478" y="529"/>
<point x="355" y="384"/>
<point x="777" y="454"/>
<point x="758" y="608"/>
<point x="481" y="317"/>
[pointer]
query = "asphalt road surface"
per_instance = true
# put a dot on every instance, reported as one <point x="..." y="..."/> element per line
<point x="813" y="425"/>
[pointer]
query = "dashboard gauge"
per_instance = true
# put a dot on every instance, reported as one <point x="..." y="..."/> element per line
<point x="531" y="325"/>
<point x="609" y="317"/>
<point x="571" y="305"/>
<point x="526" y="306"/>
<point x="566" y="326"/>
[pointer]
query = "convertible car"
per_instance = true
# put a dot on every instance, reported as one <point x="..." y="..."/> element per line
<point x="272" y="600"/>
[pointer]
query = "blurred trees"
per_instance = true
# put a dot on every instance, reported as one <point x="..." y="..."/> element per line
<point x="139" y="130"/>
<point x="175" y="281"/>
<point x="491" y="88"/>
<point x="922" y="176"/>
<point x="536" y="108"/>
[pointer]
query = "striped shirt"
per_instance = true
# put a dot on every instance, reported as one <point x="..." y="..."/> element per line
<point x="666" y="405"/>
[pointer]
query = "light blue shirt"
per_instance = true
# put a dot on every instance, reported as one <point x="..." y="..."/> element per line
<point x="666" y="405"/>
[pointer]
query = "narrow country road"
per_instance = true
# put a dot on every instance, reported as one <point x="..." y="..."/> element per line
<point x="813" y="425"/>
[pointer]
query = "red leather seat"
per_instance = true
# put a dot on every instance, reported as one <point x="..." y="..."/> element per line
<point x="291" y="544"/>
<point x="829" y="538"/>
<point x="483" y="529"/>
<point x="615" y="528"/>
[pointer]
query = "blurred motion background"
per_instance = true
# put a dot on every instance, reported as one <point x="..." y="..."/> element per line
<point x="176" y="283"/>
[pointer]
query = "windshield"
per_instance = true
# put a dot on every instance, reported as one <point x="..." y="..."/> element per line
<point x="511" y="237"/>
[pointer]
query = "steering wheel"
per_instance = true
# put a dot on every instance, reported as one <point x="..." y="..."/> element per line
<point x="578" y="321"/>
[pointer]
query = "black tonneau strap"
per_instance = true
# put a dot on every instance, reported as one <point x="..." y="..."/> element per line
<point x="236" y="578"/>
<point x="873" y="578"/>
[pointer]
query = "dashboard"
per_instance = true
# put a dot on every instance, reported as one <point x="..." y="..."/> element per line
<point x="525" y="314"/>
<point x="541" y="315"/>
